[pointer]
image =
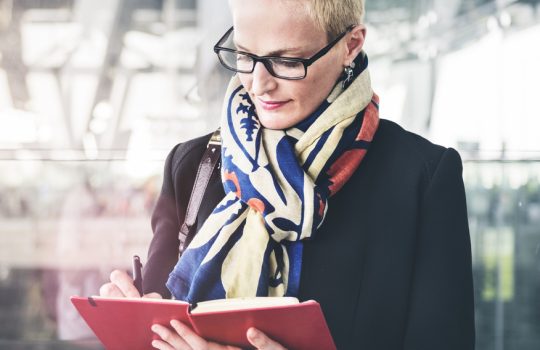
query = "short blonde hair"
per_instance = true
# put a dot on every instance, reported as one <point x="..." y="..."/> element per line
<point x="334" y="16"/>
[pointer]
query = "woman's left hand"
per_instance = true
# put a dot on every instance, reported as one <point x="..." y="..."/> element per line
<point x="182" y="337"/>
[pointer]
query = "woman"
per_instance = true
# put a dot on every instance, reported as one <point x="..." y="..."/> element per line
<point x="318" y="198"/>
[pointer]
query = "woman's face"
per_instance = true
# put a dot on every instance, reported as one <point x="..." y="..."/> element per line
<point x="284" y="28"/>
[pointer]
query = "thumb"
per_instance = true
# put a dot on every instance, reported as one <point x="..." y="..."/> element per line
<point x="153" y="295"/>
<point x="260" y="341"/>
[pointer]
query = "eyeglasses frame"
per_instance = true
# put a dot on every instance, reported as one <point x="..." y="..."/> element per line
<point x="266" y="60"/>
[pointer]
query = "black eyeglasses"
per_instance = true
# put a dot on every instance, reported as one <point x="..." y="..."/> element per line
<point x="290" y="68"/>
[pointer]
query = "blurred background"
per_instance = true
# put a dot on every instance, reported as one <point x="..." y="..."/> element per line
<point x="94" y="93"/>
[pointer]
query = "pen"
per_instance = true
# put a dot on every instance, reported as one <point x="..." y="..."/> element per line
<point x="137" y="274"/>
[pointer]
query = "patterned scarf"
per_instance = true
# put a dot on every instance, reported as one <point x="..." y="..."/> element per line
<point x="277" y="185"/>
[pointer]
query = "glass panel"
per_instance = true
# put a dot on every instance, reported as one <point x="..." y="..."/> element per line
<point x="504" y="216"/>
<point x="63" y="227"/>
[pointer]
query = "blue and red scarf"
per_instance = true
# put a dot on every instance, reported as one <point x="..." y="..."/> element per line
<point x="277" y="185"/>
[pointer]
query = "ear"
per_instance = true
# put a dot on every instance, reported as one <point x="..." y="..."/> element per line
<point x="355" y="43"/>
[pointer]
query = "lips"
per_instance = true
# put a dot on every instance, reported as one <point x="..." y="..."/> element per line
<point x="272" y="105"/>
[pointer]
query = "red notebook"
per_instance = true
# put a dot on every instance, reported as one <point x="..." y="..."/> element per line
<point x="124" y="323"/>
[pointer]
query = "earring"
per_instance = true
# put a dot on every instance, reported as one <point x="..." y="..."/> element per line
<point x="348" y="73"/>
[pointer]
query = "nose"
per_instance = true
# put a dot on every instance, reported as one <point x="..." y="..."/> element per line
<point x="261" y="80"/>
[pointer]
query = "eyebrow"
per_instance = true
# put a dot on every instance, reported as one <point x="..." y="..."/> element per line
<point x="290" y="50"/>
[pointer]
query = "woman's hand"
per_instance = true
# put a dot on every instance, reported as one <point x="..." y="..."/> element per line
<point x="182" y="337"/>
<point x="260" y="341"/>
<point x="121" y="286"/>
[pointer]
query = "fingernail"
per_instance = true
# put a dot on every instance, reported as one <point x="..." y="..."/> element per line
<point x="154" y="328"/>
<point x="253" y="334"/>
<point x="154" y="344"/>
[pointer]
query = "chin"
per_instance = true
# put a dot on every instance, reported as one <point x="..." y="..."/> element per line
<point x="272" y="124"/>
<point x="275" y="121"/>
<point x="278" y="120"/>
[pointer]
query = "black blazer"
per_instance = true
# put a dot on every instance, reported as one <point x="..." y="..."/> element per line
<point x="391" y="264"/>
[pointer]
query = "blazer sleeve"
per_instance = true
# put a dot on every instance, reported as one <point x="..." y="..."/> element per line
<point x="163" y="250"/>
<point x="441" y="306"/>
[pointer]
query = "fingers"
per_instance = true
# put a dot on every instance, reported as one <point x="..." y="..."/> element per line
<point x="182" y="337"/>
<point x="170" y="339"/>
<point x="260" y="341"/>
<point x="188" y="335"/>
<point x="121" y="285"/>
<point x="153" y="295"/>
<point x="124" y="283"/>
<point x="110" y="290"/>
<point x="161" y="345"/>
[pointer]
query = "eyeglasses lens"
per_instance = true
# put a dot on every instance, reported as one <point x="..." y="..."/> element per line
<point x="242" y="63"/>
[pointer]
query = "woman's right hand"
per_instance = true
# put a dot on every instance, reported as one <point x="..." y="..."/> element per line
<point x="121" y="286"/>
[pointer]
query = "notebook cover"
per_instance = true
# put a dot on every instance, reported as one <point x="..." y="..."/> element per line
<point x="122" y="324"/>
<point x="125" y="323"/>
<point x="300" y="326"/>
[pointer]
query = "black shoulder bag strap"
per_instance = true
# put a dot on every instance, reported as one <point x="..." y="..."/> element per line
<point x="207" y="165"/>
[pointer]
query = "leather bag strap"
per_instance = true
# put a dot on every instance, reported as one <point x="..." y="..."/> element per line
<point x="208" y="163"/>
